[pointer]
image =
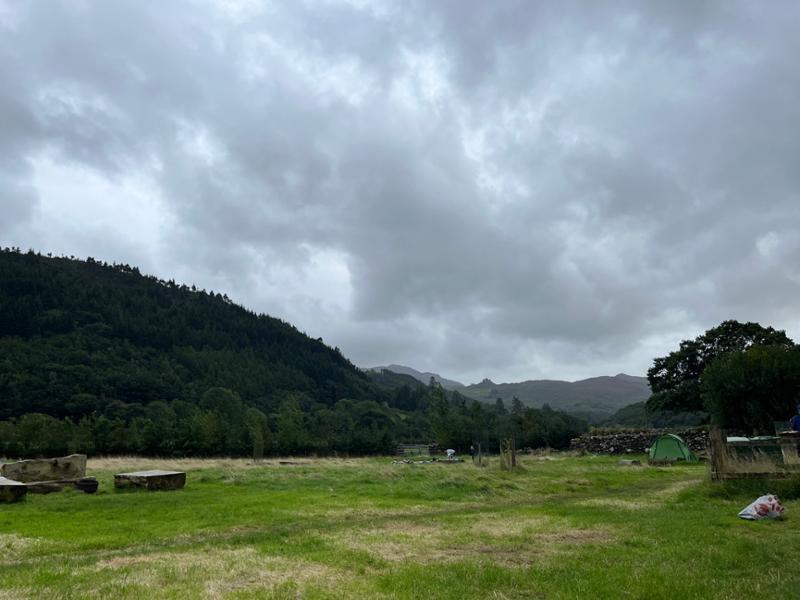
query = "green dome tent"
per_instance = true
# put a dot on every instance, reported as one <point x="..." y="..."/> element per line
<point x="670" y="448"/>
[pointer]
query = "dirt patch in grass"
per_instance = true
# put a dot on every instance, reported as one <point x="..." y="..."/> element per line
<point x="501" y="539"/>
<point x="15" y="594"/>
<point x="644" y="500"/>
<point x="594" y="535"/>
<point x="13" y="546"/>
<point x="671" y="491"/>
<point x="392" y="541"/>
<point x="533" y="546"/>
<point x="220" y="571"/>
<point x="617" y="503"/>
<point x="577" y="482"/>
<point x="409" y="529"/>
<point x="366" y="512"/>
<point x="503" y="525"/>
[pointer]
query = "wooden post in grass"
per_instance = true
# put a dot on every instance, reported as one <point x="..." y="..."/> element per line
<point x="508" y="454"/>
<point x="513" y="453"/>
<point x="717" y="453"/>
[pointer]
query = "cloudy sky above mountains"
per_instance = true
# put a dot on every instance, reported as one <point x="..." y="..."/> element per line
<point x="507" y="189"/>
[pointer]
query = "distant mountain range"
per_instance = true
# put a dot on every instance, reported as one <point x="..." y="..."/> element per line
<point x="448" y="384"/>
<point x="595" y="398"/>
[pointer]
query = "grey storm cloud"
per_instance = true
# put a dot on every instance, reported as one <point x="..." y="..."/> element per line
<point x="505" y="189"/>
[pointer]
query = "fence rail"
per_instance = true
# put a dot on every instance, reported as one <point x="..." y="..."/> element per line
<point x="771" y="457"/>
<point x="415" y="449"/>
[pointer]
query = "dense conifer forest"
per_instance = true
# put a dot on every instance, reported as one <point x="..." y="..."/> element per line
<point x="102" y="359"/>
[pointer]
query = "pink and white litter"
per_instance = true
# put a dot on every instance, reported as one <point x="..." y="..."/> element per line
<point x="765" y="507"/>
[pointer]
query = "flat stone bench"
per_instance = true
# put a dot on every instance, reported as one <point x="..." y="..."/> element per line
<point x="88" y="485"/>
<point x="46" y="469"/>
<point x="151" y="480"/>
<point x="12" y="491"/>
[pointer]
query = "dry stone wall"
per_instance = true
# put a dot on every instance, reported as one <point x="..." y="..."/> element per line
<point x="635" y="442"/>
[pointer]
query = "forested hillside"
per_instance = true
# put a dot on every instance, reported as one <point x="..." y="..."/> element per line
<point x="77" y="335"/>
<point x="101" y="358"/>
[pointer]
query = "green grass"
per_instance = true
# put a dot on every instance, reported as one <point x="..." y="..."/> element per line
<point x="559" y="527"/>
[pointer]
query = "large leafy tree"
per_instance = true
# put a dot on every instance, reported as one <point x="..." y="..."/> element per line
<point x="749" y="391"/>
<point x="676" y="379"/>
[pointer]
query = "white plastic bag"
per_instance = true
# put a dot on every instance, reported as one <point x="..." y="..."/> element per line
<point x="765" y="507"/>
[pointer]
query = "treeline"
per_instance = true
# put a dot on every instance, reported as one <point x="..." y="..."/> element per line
<point x="638" y="415"/>
<point x="101" y="359"/>
<point x="222" y="424"/>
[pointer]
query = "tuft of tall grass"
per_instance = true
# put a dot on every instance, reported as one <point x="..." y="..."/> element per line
<point x="741" y="489"/>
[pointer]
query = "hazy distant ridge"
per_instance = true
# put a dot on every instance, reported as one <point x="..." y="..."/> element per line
<point x="596" y="397"/>
<point x="424" y="377"/>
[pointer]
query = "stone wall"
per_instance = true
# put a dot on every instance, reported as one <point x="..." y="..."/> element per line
<point x="635" y="442"/>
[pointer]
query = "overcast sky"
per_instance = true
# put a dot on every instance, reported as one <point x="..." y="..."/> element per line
<point x="502" y="189"/>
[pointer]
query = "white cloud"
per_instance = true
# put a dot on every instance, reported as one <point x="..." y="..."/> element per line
<point x="510" y="190"/>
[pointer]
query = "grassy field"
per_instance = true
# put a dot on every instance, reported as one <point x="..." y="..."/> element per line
<point x="559" y="527"/>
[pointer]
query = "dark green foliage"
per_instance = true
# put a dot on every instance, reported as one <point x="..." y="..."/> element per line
<point x="100" y="359"/>
<point x="637" y="415"/>
<point x="675" y="379"/>
<point x="75" y="336"/>
<point x="457" y="421"/>
<point x="748" y="391"/>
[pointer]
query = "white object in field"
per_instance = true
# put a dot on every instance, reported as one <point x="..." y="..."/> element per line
<point x="450" y="453"/>
<point x="765" y="507"/>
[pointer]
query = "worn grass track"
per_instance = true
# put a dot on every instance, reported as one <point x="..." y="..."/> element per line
<point x="562" y="527"/>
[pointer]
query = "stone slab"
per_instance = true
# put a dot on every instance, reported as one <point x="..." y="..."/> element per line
<point x="88" y="485"/>
<point x="44" y="487"/>
<point x="12" y="491"/>
<point x="46" y="469"/>
<point x="151" y="480"/>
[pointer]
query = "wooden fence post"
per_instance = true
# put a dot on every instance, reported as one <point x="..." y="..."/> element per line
<point x="513" y="453"/>
<point x="717" y="451"/>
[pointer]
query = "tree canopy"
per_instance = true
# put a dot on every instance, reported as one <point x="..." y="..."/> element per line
<point x="749" y="391"/>
<point x="676" y="379"/>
